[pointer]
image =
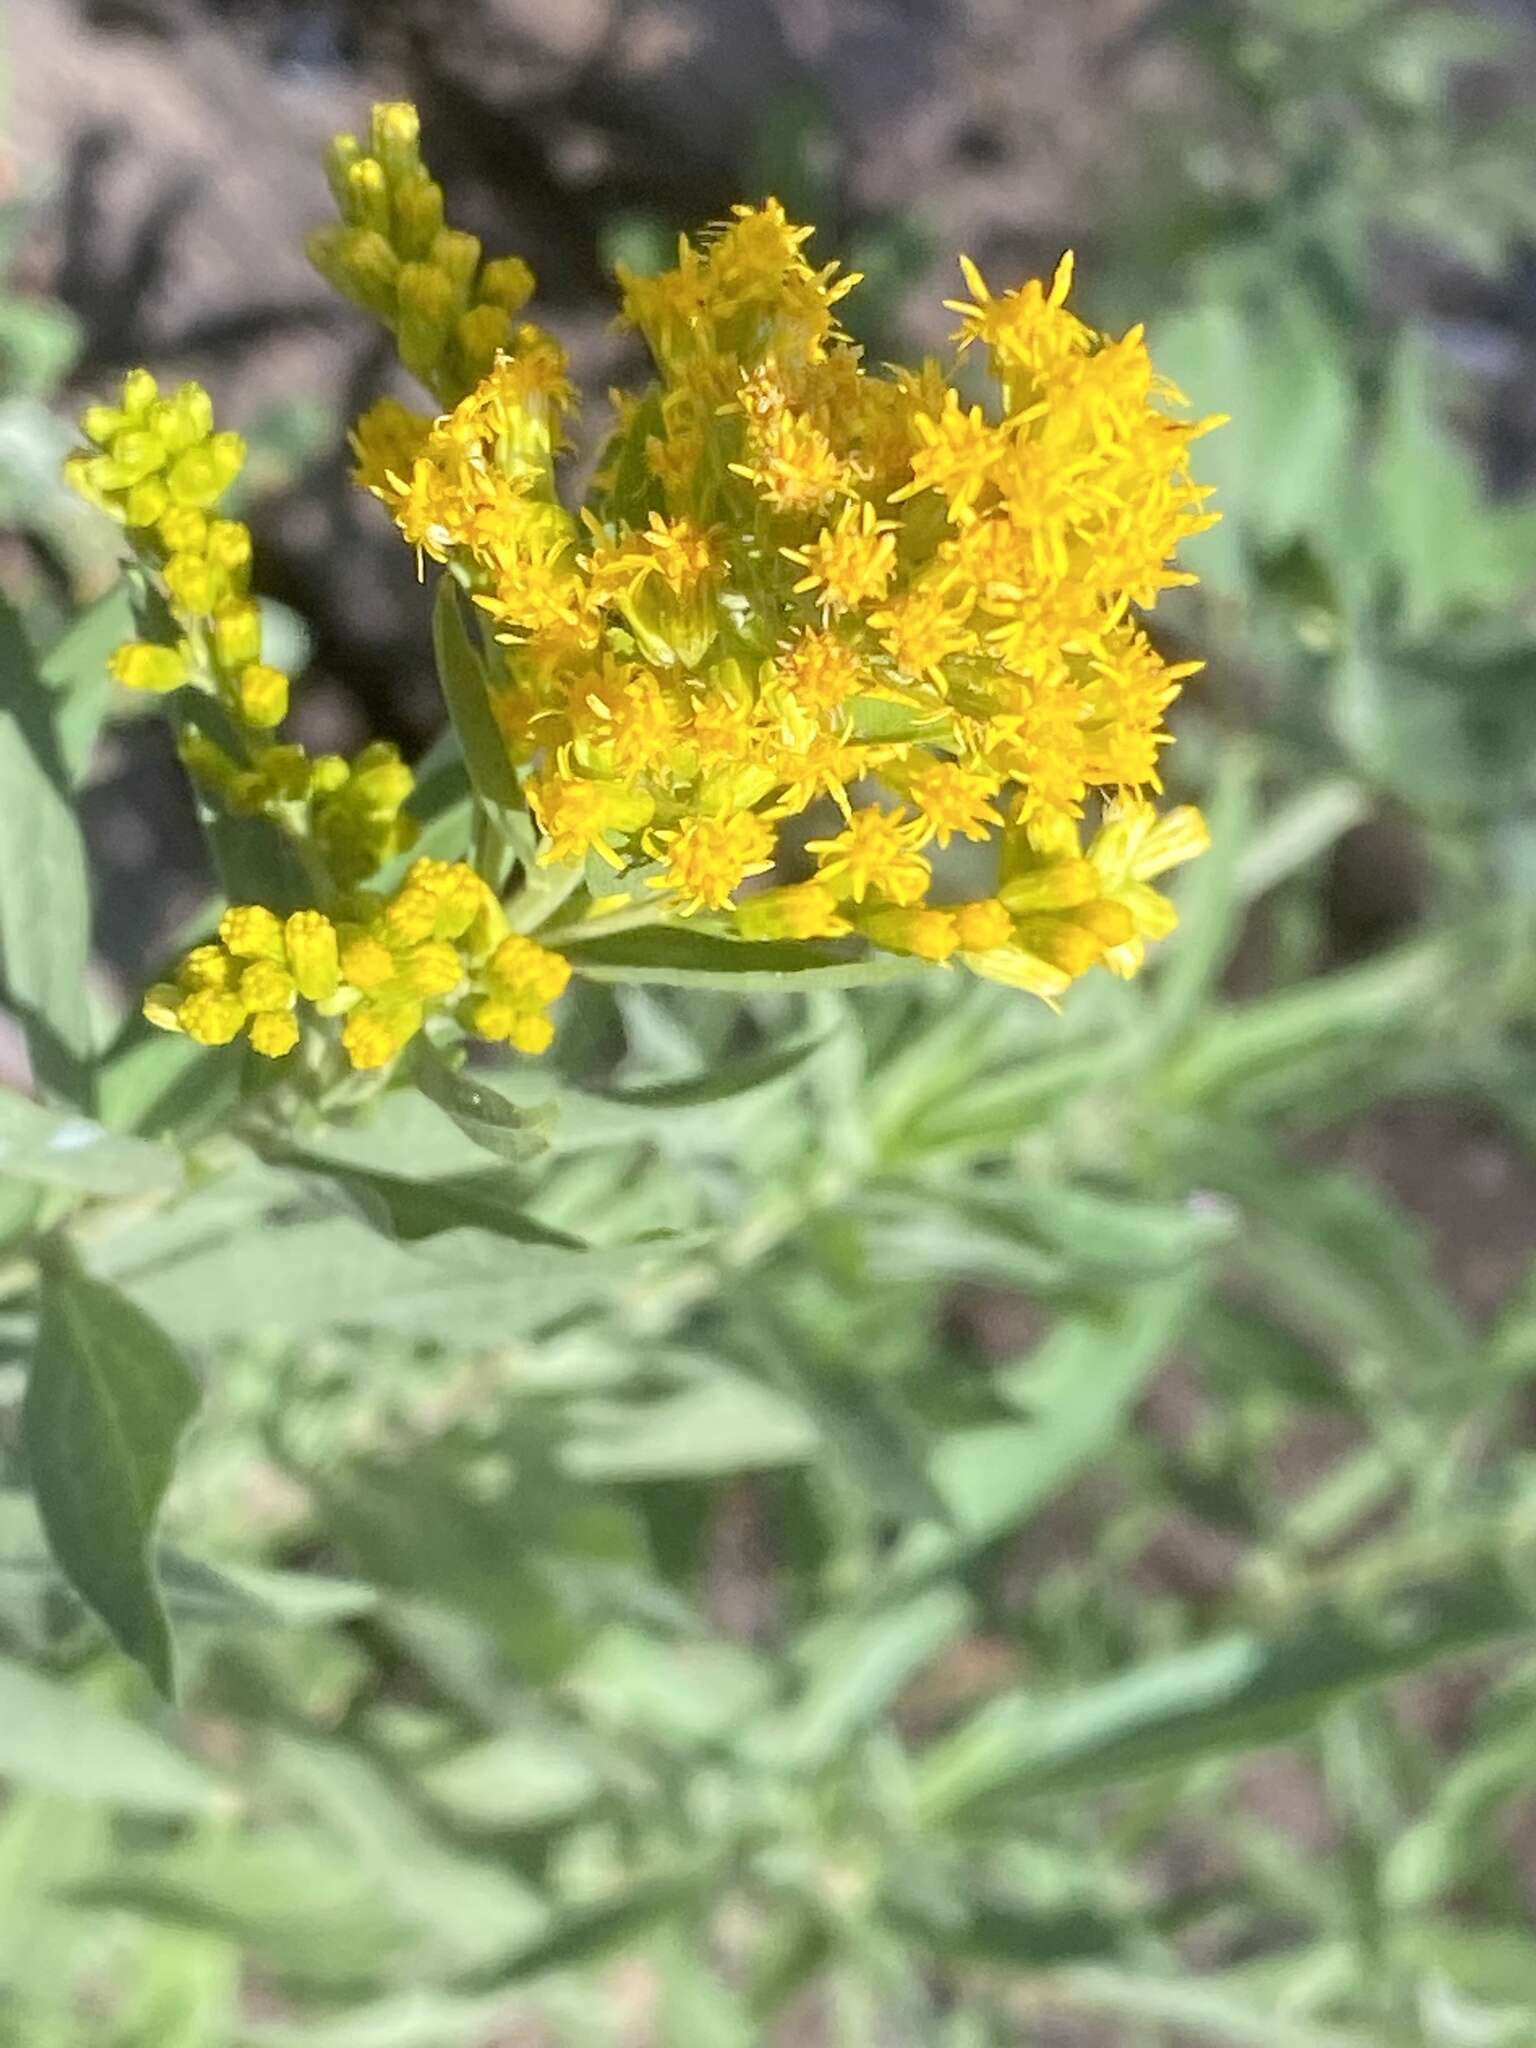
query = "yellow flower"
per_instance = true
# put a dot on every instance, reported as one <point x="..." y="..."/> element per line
<point x="850" y="562"/>
<point x="708" y="859"/>
<point x="953" y="799"/>
<point x="876" y="851"/>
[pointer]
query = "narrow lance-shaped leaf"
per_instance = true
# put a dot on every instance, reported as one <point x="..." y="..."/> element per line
<point x="693" y="959"/>
<point x="1235" y="1692"/>
<point x="108" y="1398"/>
<point x="462" y="675"/>
<point x="45" y="910"/>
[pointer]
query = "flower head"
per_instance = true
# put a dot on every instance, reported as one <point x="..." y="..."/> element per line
<point x="796" y="581"/>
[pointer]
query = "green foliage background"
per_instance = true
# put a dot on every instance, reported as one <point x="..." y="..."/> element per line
<point x="677" y="1548"/>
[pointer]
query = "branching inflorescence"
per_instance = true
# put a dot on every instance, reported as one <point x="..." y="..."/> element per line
<point x="799" y="590"/>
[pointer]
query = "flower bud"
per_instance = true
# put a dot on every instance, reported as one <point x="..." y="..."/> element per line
<point x="147" y="501"/>
<point x="206" y="967"/>
<point x="139" y="393"/>
<point x="342" y="154"/>
<point x="926" y="934"/>
<point x="136" y="453"/>
<point x="211" y="1017"/>
<point x="313" y="956"/>
<point x="366" y="962"/>
<point x="375" y="1032"/>
<point x="184" y="530"/>
<point x="252" y="932"/>
<point x="145" y="665"/>
<point x="426" y="301"/>
<point x="273" y="1033"/>
<point x="236" y="633"/>
<point x="194" y="584"/>
<point x="530" y="1031"/>
<point x="199" y="476"/>
<point x="982" y="926"/>
<point x="262" y="696"/>
<point x="800" y="910"/>
<point x="1110" y="923"/>
<point x="418" y="216"/>
<point x="1061" y="885"/>
<point x="162" y="1004"/>
<point x="367" y="200"/>
<point x="368" y="270"/>
<point x="457" y="255"/>
<point x="432" y="968"/>
<point x="396" y="138"/>
<point x="481" y="332"/>
<point x="264" y="985"/>
<point x="99" y="423"/>
<point x="506" y="281"/>
<point x="229" y="544"/>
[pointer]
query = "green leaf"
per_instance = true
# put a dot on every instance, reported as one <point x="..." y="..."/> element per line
<point x="53" y="1737"/>
<point x="45" y="905"/>
<point x="1340" y="1258"/>
<point x="1235" y="1692"/>
<point x="1438" y="530"/>
<point x="468" y="1912"/>
<point x="462" y="675"/>
<point x="220" y="1595"/>
<point x="411" y="1211"/>
<point x="51" y="1148"/>
<point x="39" y="339"/>
<point x="855" y="1670"/>
<point x="1043" y="1237"/>
<point x="299" y="1278"/>
<point x="1284" y="1050"/>
<point x="1210" y="906"/>
<point x="108" y="1398"/>
<point x="480" y="1110"/>
<point x="523" y="1778"/>
<point x="1076" y="1390"/>
<point x="584" y="1934"/>
<point x="693" y="959"/>
<point x="416" y="2019"/>
<point x="296" y="1902"/>
<point x="726" y="1082"/>
<point x="982" y="1928"/>
<point x="721" y="1422"/>
<point x="75" y="670"/>
<point x="1231" y="2015"/>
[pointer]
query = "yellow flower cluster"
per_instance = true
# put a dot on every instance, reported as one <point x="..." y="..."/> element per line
<point x="801" y="584"/>
<point x="382" y="965"/>
<point x="159" y="468"/>
<point x="828" y="652"/>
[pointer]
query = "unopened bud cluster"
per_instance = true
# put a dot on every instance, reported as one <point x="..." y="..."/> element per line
<point x="160" y="468"/>
<point x="383" y="964"/>
<point x="449" y="310"/>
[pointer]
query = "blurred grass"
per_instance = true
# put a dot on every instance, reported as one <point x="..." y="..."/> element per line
<point x="1056" y="1544"/>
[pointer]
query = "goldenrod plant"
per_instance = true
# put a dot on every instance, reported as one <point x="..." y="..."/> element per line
<point x="689" y="1448"/>
<point x="799" y="589"/>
